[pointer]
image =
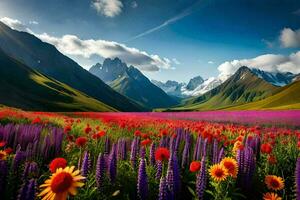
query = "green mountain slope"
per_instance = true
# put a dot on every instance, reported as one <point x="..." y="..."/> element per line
<point x="46" y="59"/>
<point x="240" y="88"/>
<point x="24" y="88"/>
<point x="129" y="81"/>
<point x="287" y="97"/>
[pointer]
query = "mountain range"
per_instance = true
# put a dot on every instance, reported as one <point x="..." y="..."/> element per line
<point x="129" y="81"/>
<point x="46" y="59"/>
<point x="34" y="75"/>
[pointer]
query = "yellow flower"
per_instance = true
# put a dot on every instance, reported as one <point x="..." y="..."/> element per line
<point x="218" y="172"/>
<point x="237" y="145"/>
<point x="231" y="165"/>
<point x="271" y="196"/>
<point x="3" y="155"/>
<point x="274" y="182"/>
<point x="62" y="183"/>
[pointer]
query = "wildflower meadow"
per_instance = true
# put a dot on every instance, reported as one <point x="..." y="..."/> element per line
<point x="58" y="156"/>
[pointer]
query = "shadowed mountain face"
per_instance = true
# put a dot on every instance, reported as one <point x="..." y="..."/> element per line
<point x="194" y="83"/>
<point x="242" y="87"/>
<point x="275" y="78"/>
<point x="45" y="58"/>
<point x="22" y="87"/>
<point x="130" y="82"/>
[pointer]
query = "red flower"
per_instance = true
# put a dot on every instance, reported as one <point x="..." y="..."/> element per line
<point x="137" y="133"/>
<point x="266" y="148"/>
<point x="298" y="144"/>
<point x="195" y="166"/>
<point x="67" y="129"/>
<point x="57" y="163"/>
<point x="162" y="154"/>
<point x="37" y="120"/>
<point x="8" y="150"/>
<point x="87" y="129"/>
<point x="81" y="141"/>
<point x="146" y="142"/>
<point x="2" y="143"/>
<point x="272" y="159"/>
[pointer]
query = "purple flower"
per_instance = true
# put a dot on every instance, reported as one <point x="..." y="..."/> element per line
<point x="28" y="190"/>
<point x="86" y="164"/>
<point x="159" y="166"/>
<point x="107" y="145"/>
<point x="152" y="154"/>
<point x="143" y="152"/>
<point x="3" y="175"/>
<point x="112" y="166"/>
<point x="100" y="170"/>
<point x="142" y="183"/>
<point x="162" y="195"/>
<point x="134" y="152"/>
<point x="201" y="180"/>
<point x="297" y="175"/>
<point x="173" y="177"/>
<point x="186" y="151"/>
<point x="31" y="170"/>
<point x="18" y="159"/>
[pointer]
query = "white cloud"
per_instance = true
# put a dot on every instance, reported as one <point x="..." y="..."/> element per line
<point x="15" y="24"/>
<point x="108" y="8"/>
<point x="134" y="4"/>
<point x="175" y="61"/>
<point x="267" y="62"/>
<point x="290" y="38"/>
<point x="33" y="22"/>
<point x="72" y="45"/>
<point x="210" y="62"/>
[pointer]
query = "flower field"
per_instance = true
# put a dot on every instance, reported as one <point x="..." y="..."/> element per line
<point x="216" y="155"/>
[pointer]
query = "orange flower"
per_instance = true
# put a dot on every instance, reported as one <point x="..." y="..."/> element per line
<point x="271" y="196"/>
<point x="62" y="183"/>
<point x="195" y="166"/>
<point x="274" y="182"/>
<point x="218" y="172"/>
<point x="231" y="165"/>
<point x="3" y="155"/>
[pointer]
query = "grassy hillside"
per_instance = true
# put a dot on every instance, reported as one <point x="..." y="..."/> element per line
<point x="241" y="88"/>
<point x="288" y="97"/>
<point x="22" y="87"/>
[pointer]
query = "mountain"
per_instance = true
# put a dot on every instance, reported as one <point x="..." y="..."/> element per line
<point x="288" y="97"/>
<point x="46" y="59"/>
<point x="130" y="82"/>
<point x="172" y="88"/>
<point x="25" y="88"/>
<point x="242" y="87"/>
<point x="194" y="83"/>
<point x="275" y="78"/>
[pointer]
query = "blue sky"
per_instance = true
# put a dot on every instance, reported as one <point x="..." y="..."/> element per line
<point x="184" y="38"/>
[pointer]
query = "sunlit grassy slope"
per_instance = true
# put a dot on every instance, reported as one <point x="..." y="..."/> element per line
<point x="22" y="87"/>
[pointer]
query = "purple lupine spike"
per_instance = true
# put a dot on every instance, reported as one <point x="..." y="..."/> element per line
<point x="197" y="149"/>
<point x="159" y="166"/>
<point x="163" y="141"/>
<point x="297" y="178"/>
<point x="176" y="170"/>
<point x="3" y="175"/>
<point x="31" y="170"/>
<point x="178" y="138"/>
<point x="133" y="153"/>
<point x="86" y="164"/>
<point x="172" y="177"/>
<point x="142" y="183"/>
<point x="221" y="155"/>
<point x="18" y="159"/>
<point x="201" y="180"/>
<point x="186" y="152"/>
<point x="162" y="195"/>
<point x="100" y="170"/>
<point x="122" y="149"/>
<point x="28" y="190"/>
<point x="112" y="167"/>
<point x="143" y="153"/>
<point x="215" y="153"/>
<point x="204" y="148"/>
<point x="152" y="154"/>
<point x="107" y="145"/>
<point x="172" y="144"/>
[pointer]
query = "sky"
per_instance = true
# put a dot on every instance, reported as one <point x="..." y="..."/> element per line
<point x="167" y="39"/>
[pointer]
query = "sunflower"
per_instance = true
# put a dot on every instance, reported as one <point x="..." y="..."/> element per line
<point x="61" y="183"/>
<point x="3" y="155"/>
<point x="271" y="196"/>
<point x="274" y="182"/>
<point x="218" y="172"/>
<point x="231" y="165"/>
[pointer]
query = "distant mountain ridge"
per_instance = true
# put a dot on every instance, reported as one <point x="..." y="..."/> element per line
<point x="242" y="87"/>
<point x="25" y="88"/>
<point x="45" y="58"/>
<point x="130" y="82"/>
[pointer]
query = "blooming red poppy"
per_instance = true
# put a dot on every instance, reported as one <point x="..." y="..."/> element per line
<point x="67" y="129"/>
<point x="8" y="150"/>
<point x="195" y="166"/>
<point x="137" y="133"/>
<point x="2" y="143"/>
<point x="146" y="142"/>
<point x="162" y="154"/>
<point x="266" y="148"/>
<point x="81" y="141"/>
<point x="87" y="129"/>
<point x="272" y="159"/>
<point x="37" y="120"/>
<point x="57" y="163"/>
